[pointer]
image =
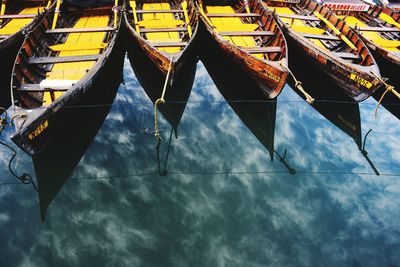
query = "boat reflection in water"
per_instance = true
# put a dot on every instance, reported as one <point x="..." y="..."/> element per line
<point x="331" y="102"/>
<point x="246" y="98"/>
<point x="57" y="160"/>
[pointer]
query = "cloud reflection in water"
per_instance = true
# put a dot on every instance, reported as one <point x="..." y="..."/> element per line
<point x="194" y="219"/>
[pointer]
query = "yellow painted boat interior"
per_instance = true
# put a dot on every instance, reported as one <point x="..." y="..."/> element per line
<point x="234" y="25"/>
<point x="299" y="25"/>
<point x="161" y="20"/>
<point x="389" y="45"/>
<point x="77" y="44"/>
<point x="15" y="25"/>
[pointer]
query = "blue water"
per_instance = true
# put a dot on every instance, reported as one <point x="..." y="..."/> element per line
<point x="223" y="202"/>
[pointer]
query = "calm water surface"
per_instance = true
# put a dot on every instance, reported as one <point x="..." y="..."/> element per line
<point x="223" y="202"/>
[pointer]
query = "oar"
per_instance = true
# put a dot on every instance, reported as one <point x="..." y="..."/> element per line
<point x="187" y="22"/>
<point x="115" y="9"/>
<point x="201" y="10"/>
<point x="56" y="14"/>
<point x="3" y="9"/>
<point x="246" y="5"/>
<point x="336" y="31"/>
<point x="48" y="4"/>
<point x="135" y="18"/>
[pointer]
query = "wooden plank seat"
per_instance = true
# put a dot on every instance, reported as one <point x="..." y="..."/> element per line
<point x="149" y="30"/>
<point x="80" y="30"/>
<point x="21" y="16"/>
<point x="232" y="15"/>
<point x="169" y="44"/>
<point x="154" y="11"/>
<point x="38" y="88"/>
<point x="247" y="33"/>
<point x="378" y="29"/>
<point x="67" y="59"/>
<point x="257" y="50"/>
<point x="345" y="55"/>
<point x="299" y="17"/>
<point x="322" y="37"/>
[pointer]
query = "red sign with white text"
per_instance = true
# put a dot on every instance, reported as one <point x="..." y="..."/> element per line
<point x="347" y="7"/>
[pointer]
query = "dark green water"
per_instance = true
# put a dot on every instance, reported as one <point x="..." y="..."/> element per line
<point x="223" y="202"/>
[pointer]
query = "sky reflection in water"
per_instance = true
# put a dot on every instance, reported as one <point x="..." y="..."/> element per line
<point x="224" y="203"/>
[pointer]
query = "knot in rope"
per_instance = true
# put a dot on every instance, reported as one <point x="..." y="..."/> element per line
<point x="388" y="87"/>
<point x="298" y="85"/>
<point x="18" y="115"/>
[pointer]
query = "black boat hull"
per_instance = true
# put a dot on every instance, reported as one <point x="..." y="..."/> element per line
<point x="392" y="71"/>
<point x="57" y="159"/>
<point x="8" y="52"/>
<point x="242" y="92"/>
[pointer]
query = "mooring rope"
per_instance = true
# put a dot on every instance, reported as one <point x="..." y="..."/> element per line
<point x="299" y="85"/>
<point x="365" y="154"/>
<point x="388" y="87"/>
<point x="159" y="102"/>
<point x="24" y="178"/>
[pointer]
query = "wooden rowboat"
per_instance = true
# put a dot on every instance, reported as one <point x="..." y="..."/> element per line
<point x="63" y="63"/>
<point x="314" y="30"/>
<point x="160" y="47"/>
<point x="380" y="30"/>
<point x="17" y="18"/>
<point x="246" y="34"/>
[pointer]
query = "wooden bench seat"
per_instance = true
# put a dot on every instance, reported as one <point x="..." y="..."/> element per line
<point x="247" y="33"/>
<point x="257" y="50"/>
<point x="54" y="60"/>
<point x="22" y="16"/>
<point x="154" y="11"/>
<point x="150" y="30"/>
<point x="299" y="17"/>
<point x="233" y="15"/>
<point x="322" y="37"/>
<point x="378" y="29"/>
<point x="345" y="55"/>
<point x="80" y="30"/>
<point x="38" y="88"/>
<point x="169" y="44"/>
